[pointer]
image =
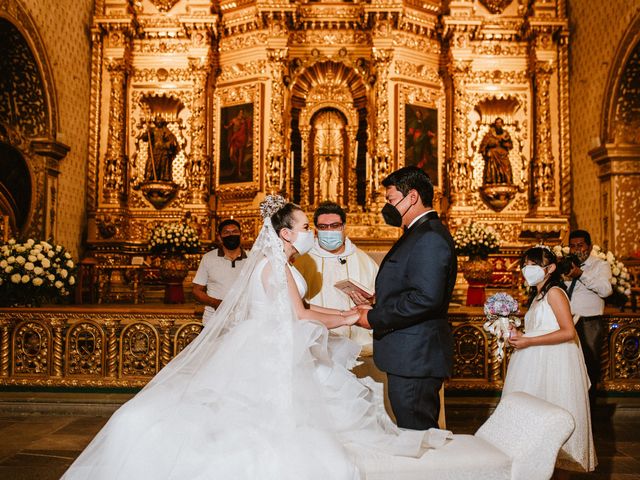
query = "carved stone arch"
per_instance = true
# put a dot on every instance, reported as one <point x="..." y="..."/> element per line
<point x="29" y="114"/>
<point x="21" y="45"/>
<point x="616" y="126"/>
<point x="327" y="85"/>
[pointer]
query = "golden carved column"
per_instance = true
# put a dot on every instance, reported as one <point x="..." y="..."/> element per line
<point x="112" y="347"/>
<point x="619" y="176"/>
<point x="5" y="346"/>
<point x="275" y="166"/>
<point x="305" y="131"/>
<point x="198" y="165"/>
<point x="382" y="158"/>
<point x="544" y="187"/>
<point x="94" y="118"/>
<point x="165" y="341"/>
<point x="57" y="325"/>
<point x="352" y="190"/>
<point x="460" y="172"/>
<point x="115" y="159"/>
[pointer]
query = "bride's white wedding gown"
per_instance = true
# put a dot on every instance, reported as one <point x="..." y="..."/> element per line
<point x="272" y="398"/>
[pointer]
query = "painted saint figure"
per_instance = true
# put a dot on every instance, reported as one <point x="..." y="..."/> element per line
<point x="494" y="148"/>
<point x="163" y="148"/>
<point x="238" y="139"/>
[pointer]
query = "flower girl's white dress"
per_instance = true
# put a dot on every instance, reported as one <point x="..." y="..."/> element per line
<point x="557" y="374"/>
<point x="266" y="397"/>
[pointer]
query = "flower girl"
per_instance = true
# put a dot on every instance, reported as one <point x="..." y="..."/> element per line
<point x="548" y="362"/>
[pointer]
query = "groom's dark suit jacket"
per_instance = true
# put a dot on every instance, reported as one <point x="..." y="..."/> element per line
<point x="411" y="332"/>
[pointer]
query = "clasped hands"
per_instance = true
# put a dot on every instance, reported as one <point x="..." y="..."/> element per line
<point x="363" y="305"/>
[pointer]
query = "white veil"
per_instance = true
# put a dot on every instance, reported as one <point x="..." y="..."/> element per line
<point x="236" y="307"/>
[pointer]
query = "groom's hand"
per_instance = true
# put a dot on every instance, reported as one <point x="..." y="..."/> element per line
<point x="363" y="320"/>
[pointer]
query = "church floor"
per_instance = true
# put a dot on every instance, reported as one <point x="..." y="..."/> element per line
<point x="41" y="433"/>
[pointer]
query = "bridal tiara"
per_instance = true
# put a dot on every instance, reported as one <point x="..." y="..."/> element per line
<point x="545" y="247"/>
<point x="271" y="204"/>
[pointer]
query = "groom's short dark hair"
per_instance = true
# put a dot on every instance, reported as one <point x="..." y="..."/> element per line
<point x="412" y="178"/>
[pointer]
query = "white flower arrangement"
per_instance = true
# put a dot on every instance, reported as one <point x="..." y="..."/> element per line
<point x="475" y="240"/>
<point x="620" y="275"/>
<point x="174" y="238"/>
<point x="33" y="272"/>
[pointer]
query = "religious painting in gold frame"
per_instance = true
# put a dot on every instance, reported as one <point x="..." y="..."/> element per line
<point x="236" y="144"/>
<point x="420" y="138"/>
<point x="237" y="141"/>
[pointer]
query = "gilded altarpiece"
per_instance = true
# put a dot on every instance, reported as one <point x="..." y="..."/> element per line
<point x="367" y="63"/>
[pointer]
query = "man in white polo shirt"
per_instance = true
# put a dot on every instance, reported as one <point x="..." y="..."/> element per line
<point x="219" y="268"/>
<point x="590" y="284"/>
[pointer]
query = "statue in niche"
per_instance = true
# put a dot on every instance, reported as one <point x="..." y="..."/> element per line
<point x="494" y="148"/>
<point x="329" y="170"/>
<point x="163" y="148"/>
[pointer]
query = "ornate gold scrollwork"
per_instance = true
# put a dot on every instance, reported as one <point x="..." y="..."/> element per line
<point x="626" y="353"/>
<point x="85" y="350"/>
<point x="185" y="335"/>
<point x="139" y="355"/>
<point x="470" y="357"/>
<point x="32" y="349"/>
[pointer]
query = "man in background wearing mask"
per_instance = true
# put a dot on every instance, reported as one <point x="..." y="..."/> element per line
<point x="333" y="258"/>
<point x="588" y="285"/>
<point x="412" y="340"/>
<point x="219" y="268"/>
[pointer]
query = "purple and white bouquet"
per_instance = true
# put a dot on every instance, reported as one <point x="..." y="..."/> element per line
<point x="501" y="310"/>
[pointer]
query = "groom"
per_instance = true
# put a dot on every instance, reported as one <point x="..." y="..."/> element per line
<point x="412" y="338"/>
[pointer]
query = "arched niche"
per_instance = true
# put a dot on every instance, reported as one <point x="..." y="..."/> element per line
<point x="15" y="189"/>
<point x="28" y="126"/>
<point x="618" y="156"/>
<point x="331" y="88"/>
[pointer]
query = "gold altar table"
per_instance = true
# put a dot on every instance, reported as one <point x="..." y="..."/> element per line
<point x="126" y="345"/>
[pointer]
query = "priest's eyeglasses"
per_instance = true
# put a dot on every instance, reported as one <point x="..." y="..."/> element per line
<point x="330" y="226"/>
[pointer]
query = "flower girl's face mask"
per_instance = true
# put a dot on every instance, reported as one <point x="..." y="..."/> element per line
<point x="533" y="274"/>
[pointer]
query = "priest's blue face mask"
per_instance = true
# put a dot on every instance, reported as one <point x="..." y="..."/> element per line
<point x="330" y="240"/>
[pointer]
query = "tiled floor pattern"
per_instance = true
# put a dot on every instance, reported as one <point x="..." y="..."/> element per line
<point x="41" y="435"/>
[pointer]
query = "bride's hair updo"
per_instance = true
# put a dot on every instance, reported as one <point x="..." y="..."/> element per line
<point x="279" y="210"/>
<point x="283" y="218"/>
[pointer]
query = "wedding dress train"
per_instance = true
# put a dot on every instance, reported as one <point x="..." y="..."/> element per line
<point x="259" y="394"/>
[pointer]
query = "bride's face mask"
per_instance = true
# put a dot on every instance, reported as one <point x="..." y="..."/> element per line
<point x="300" y="237"/>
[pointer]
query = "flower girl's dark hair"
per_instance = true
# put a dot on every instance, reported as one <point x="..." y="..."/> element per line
<point x="543" y="256"/>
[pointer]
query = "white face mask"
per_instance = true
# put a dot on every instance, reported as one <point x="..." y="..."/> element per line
<point x="533" y="274"/>
<point x="303" y="242"/>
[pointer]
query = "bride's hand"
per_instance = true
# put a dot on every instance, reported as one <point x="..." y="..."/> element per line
<point x="350" y="318"/>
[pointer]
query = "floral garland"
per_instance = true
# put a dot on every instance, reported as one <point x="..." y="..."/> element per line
<point x="501" y="310"/>
<point x="475" y="240"/>
<point x="620" y="275"/>
<point x="174" y="238"/>
<point x="34" y="272"/>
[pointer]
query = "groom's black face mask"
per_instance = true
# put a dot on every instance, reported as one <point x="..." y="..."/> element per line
<point x="392" y="215"/>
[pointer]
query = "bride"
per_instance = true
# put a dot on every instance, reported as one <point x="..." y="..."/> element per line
<point x="262" y="393"/>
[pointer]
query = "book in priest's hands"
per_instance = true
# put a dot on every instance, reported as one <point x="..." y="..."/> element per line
<point x="347" y="286"/>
